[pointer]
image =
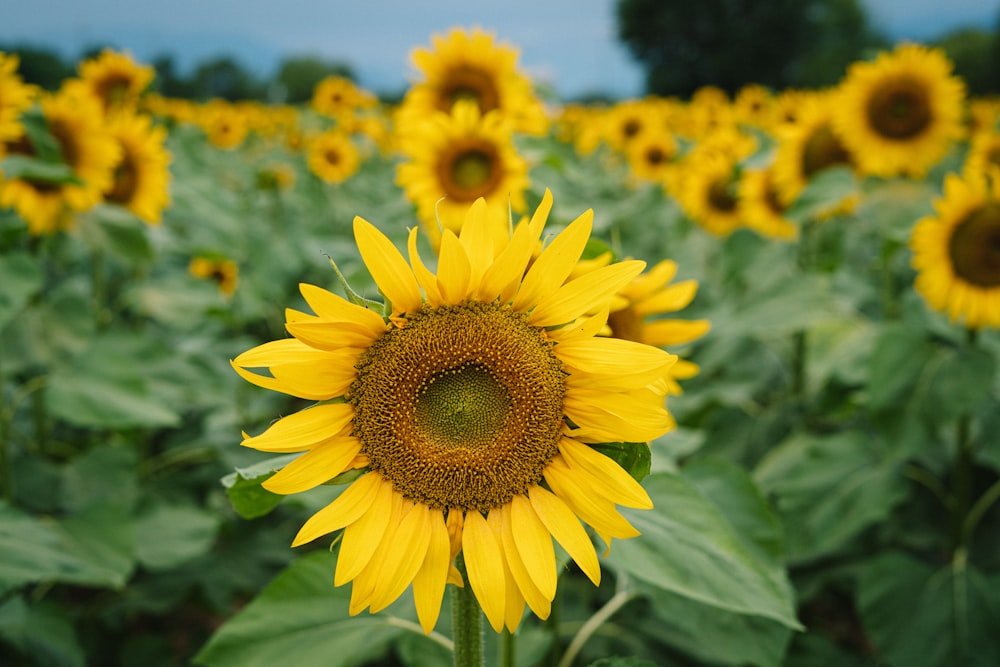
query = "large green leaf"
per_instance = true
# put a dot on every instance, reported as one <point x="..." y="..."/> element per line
<point x="828" y="489"/>
<point x="169" y="536"/>
<point x="961" y="383"/>
<point x="300" y="619"/>
<point x="917" y="614"/>
<point x="42" y="634"/>
<point x="900" y="354"/>
<point x="688" y="547"/>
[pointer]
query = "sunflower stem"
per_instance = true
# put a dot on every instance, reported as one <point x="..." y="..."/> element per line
<point x="962" y="474"/>
<point x="466" y="623"/>
<point x="508" y="648"/>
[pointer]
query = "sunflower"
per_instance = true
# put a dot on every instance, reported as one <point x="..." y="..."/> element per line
<point x="332" y="156"/>
<point x="224" y="123"/>
<point x="984" y="152"/>
<point x="76" y="122"/>
<point x="142" y="175"/>
<point x="807" y="147"/>
<point x="754" y="105"/>
<point x="222" y="270"/>
<point x="15" y="97"/>
<point x="337" y="96"/>
<point x="627" y="121"/>
<point x="708" y="189"/>
<point x="115" y="78"/>
<point x="457" y="158"/>
<point x="957" y="252"/>
<point x="652" y="156"/>
<point x="900" y="113"/>
<point x="471" y="65"/>
<point x="761" y="206"/>
<point x="469" y="409"/>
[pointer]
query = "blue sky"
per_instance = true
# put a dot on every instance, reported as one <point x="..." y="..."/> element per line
<point x="569" y="44"/>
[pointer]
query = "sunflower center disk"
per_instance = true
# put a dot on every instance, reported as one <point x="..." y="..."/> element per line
<point x="901" y="111"/>
<point x="462" y="407"/>
<point x="975" y="247"/>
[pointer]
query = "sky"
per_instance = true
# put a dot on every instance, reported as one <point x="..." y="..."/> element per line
<point x="568" y="44"/>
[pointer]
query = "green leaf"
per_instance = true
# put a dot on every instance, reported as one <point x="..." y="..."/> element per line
<point x="118" y="231"/>
<point x="899" y="355"/>
<point x="828" y="489"/>
<point x="101" y="402"/>
<point x="41" y="633"/>
<point x="21" y="277"/>
<point x="37" y="550"/>
<point x="32" y="169"/>
<point x="44" y="143"/>
<point x="300" y="619"/>
<point x="634" y="457"/>
<point x="918" y="615"/>
<point x="249" y="498"/>
<point x="169" y="536"/>
<point x="617" y="661"/>
<point x="825" y="190"/>
<point x="961" y="383"/>
<point x="688" y="547"/>
<point x="796" y="306"/>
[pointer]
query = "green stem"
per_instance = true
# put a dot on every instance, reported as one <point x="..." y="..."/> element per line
<point x="890" y="305"/>
<point x="466" y="623"/>
<point x="618" y="600"/>
<point x="99" y="288"/>
<point x="962" y="475"/>
<point x="6" y="417"/>
<point x="985" y="501"/>
<point x="507" y="649"/>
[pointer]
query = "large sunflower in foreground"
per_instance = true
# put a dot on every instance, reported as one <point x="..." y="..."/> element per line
<point x="957" y="252"/>
<point x="471" y="65"/>
<point x="900" y="113"/>
<point x="470" y="406"/>
<point x="142" y="175"/>
<point x="454" y="160"/>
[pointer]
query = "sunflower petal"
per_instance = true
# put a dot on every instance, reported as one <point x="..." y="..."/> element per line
<point x="403" y="561"/>
<point x="609" y="478"/>
<point x="426" y="278"/>
<point x="507" y="270"/>
<point x="513" y="599"/>
<point x="362" y="538"/>
<point x="454" y="271"/>
<point x="584" y="294"/>
<point x="316" y="466"/>
<point x="539" y="602"/>
<point x="390" y="271"/>
<point x="430" y="580"/>
<point x="565" y="527"/>
<point x="328" y="305"/>
<point x="302" y="430"/>
<point x="477" y="240"/>
<point x="597" y="511"/>
<point x="348" y="507"/>
<point x="555" y="263"/>
<point x="484" y="563"/>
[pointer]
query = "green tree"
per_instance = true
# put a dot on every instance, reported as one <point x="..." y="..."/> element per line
<point x="41" y="66"/>
<point x="224" y="77"/>
<point x="973" y="51"/>
<point x="298" y="76"/>
<point x="729" y="43"/>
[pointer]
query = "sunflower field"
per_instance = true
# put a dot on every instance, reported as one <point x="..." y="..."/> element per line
<point x="486" y="378"/>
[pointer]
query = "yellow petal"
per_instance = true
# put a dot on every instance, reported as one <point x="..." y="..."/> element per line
<point x="348" y="507"/>
<point x="598" y="512"/>
<point x="663" y="333"/>
<point x="584" y="294"/>
<point x="534" y="545"/>
<point x="477" y="240"/>
<point x="564" y="526"/>
<point x="541" y="214"/>
<point x="539" y="603"/>
<point x="505" y="274"/>
<point x="485" y="567"/>
<point x="388" y="268"/>
<point x="429" y="583"/>
<point x="585" y="327"/>
<point x="328" y="305"/>
<point x="555" y="263"/>
<point x="303" y="429"/>
<point x="362" y="537"/>
<point x="607" y="477"/>
<point x="669" y="299"/>
<point x="402" y="562"/>
<point x="426" y="278"/>
<point x="315" y="466"/>
<point x="614" y="363"/>
<point x="634" y="416"/>
<point x="331" y="335"/>
<point x="454" y="271"/>
<point x="513" y="600"/>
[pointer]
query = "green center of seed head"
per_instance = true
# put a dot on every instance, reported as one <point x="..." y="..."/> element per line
<point x="463" y="407"/>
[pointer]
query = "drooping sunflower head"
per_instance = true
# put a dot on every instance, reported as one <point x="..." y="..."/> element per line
<point x="141" y="178"/>
<point x="468" y="403"/>
<point x="116" y="78"/>
<point x="15" y="97"/>
<point x="453" y="160"/>
<point x="333" y="156"/>
<point x="900" y="113"/>
<point x="470" y="66"/>
<point x="957" y="252"/>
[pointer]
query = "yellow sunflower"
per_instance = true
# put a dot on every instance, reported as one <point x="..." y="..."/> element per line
<point x="142" y="175"/>
<point x="761" y="207"/>
<point x="808" y="146"/>
<point x="224" y="123"/>
<point x="338" y="96"/>
<point x="116" y="78"/>
<point x="957" y="252"/>
<point x="900" y="113"/>
<point x="469" y="406"/>
<point x="471" y="65"/>
<point x="708" y="190"/>
<point x="984" y="152"/>
<point x="222" y="270"/>
<point x="15" y="97"/>
<point x="332" y="156"/>
<point x="652" y="156"/>
<point x="457" y="158"/>
<point x="76" y="122"/>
